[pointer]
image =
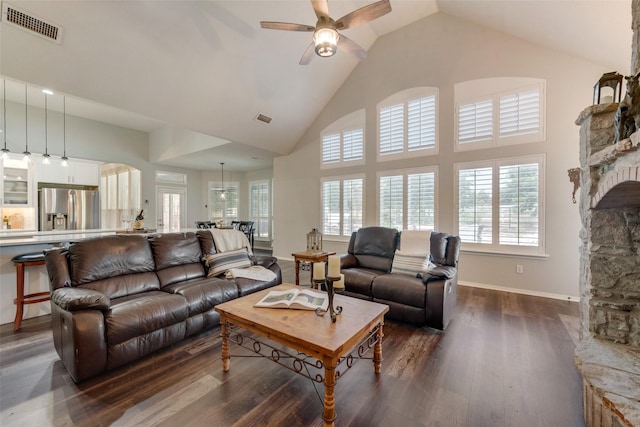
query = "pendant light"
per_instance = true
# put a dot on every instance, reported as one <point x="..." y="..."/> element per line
<point x="46" y="158"/>
<point x="5" y="150"/>
<point x="27" y="154"/>
<point x="64" y="158"/>
<point x="223" y="194"/>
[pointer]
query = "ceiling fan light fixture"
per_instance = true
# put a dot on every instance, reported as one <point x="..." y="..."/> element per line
<point x="326" y="41"/>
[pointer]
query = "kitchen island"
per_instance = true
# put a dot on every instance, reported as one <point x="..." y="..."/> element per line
<point x="17" y="242"/>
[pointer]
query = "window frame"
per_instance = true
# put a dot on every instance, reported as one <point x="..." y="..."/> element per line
<point x="495" y="165"/>
<point x="351" y="122"/>
<point x="403" y="98"/>
<point x="493" y="89"/>
<point x="405" y="173"/>
<point x="341" y="179"/>
<point x="228" y="186"/>
<point x="257" y="219"/>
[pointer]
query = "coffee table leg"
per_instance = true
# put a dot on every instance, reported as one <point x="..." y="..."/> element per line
<point x="297" y="262"/>
<point x="329" y="414"/>
<point x="377" y="351"/>
<point x="225" y="346"/>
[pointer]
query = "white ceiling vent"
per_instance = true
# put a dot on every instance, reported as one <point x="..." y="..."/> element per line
<point x="31" y="23"/>
<point x="264" y="119"/>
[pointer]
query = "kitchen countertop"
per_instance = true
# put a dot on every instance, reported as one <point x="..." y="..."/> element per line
<point x="34" y="237"/>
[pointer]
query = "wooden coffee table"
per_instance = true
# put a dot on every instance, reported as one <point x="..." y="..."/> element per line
<point x="334" y="346"/>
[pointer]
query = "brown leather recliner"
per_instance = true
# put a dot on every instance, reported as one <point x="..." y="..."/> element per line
<point x="428" y="298"/>
<point x="118" y="298"/>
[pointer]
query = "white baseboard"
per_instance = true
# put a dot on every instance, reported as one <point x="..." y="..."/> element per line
<point x="520" y="291"/>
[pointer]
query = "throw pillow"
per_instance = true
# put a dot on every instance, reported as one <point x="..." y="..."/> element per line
<point x="219" y="263"/>
<point x="411" y="265"/>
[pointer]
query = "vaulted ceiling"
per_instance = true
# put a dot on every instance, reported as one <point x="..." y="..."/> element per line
<point x="208" y="67"/>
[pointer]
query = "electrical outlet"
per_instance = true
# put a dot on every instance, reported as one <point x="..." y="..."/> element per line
<point x="519" y="269"/>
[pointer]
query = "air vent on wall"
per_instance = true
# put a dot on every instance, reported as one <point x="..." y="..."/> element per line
<point x="264" y="119"/>
<point x="27" y="22"/>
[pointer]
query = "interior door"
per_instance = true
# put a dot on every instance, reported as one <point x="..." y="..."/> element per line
<point x="171" y="208"/>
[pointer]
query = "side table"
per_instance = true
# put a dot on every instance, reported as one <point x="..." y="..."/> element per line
<point x="307" y="256"/>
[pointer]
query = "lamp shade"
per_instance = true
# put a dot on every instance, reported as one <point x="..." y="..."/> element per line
<point x="326" y="41"/>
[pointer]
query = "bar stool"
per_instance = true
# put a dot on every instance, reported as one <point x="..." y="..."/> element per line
<point x="21" y="262"/>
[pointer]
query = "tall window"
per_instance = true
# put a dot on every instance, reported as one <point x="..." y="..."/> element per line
<point x="499" y="111"/>
<point x="342" y="205"/>
<point x="407" y="199"/>
<point x="223" y="203"/>
<point x="260" y="207"/>
<point x="407" y="124"/>
<point x="343" y="141"/>
<point x="499" y="204"/>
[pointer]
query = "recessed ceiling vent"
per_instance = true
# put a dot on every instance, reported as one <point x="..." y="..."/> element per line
<point x="30" y="23"/>
<point x="264" y="119"/>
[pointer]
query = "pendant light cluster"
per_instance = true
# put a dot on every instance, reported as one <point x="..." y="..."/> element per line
<point x="46" y="157"/>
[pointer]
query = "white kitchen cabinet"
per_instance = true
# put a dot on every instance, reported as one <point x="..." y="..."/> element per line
<point x="16" y="183"/>
<point x="78" y="172"/>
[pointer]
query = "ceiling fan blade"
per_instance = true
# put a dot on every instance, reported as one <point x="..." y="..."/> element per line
<point x="287" y="26"/>
<point x="364" y="14"/>
<point x="321" y="8"/>
<point x="308" y="54"/>
<point x="352" y="47"/>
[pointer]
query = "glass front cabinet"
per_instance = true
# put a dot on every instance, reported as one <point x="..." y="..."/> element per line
<point x="16" y="183"/>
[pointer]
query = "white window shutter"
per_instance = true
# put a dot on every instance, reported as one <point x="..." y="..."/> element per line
<point x="331" y="148"/>
<point x="519" y="205"/>
<point x="520" y="113"/>
<point x="353" y="144"/>
<point x="421" y="201"/>
<point x="352" y="195"/>
<point x="421" y="123"/>
<point x="331" y="207"/>
<point x="475" y="200"/>
<point x="475" y="122"/>
<point x="391" y="129"/>
<point x="391" y="201"/>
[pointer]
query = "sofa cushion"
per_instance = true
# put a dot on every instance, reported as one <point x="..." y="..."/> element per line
<point x="399" y="288"/>
<point x="359" y="280"/>
<point x="374" y="247"/>
<point x="205" y="293"/>
<point x="128" y="284"/>
<point x="171" y="249"/>
<point x="142" y="313"/>
<point x="219" y="263"/>
<point x="439" y="247"/>
<point x="179" y="273"/>
<point x="110" y="256"/>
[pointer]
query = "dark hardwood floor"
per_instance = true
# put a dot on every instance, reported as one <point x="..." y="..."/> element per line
<point x="504" y="360"/>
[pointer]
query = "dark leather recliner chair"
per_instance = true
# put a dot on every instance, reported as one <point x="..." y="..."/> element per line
<point x="429" y="298"/>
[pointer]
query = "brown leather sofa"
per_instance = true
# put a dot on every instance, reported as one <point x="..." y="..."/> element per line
<point x="427" y="298"/>
<point x="118" y="298"/>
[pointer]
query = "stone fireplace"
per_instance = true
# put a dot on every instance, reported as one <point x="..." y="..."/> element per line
<point x="608" y="355"/>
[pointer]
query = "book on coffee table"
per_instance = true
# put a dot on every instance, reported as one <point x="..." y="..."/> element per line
<point x="301" y="299"/>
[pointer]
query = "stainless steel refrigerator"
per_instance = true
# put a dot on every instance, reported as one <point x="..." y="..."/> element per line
<point x="68" y="208"/>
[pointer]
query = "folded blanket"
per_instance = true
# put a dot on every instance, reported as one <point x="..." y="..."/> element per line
<point x="415" y="242"/>
<point x="229" y="240"/>
<point x="255" y="272"/>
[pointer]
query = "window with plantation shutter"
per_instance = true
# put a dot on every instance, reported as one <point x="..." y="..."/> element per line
<point x="519" y="205"/>
<point x="392" y="129"/>
<point x="223" y="208"/>
<point x="342" y="205"/>
<point x="421" y="123"/>
<point x="499" y="204"/>
<point x="407" y="199"/>
<point x="391" y="201"/>
<point x="475" y="122"/>
<point x="331" y="148"/>
<point x="343" y="141"/>
<point x="520" y="113"/>
<point x="408" y="124"/>
<point x="260" y="208"/>
<point x="499" y="111"/>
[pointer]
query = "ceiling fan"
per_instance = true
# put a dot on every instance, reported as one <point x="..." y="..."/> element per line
<point x="326" y="39"/>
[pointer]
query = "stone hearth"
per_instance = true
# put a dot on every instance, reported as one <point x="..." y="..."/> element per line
<point x="608" y="356"/>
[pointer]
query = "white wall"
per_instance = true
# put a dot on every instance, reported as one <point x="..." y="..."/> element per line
<point x="441" y="51"/>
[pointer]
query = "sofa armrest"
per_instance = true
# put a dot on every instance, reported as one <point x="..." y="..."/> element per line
<point x="75" y="299"/>
<point x="440" y="272"/>
<point x="265" y="261"/>
<point x="348" y="261"/>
